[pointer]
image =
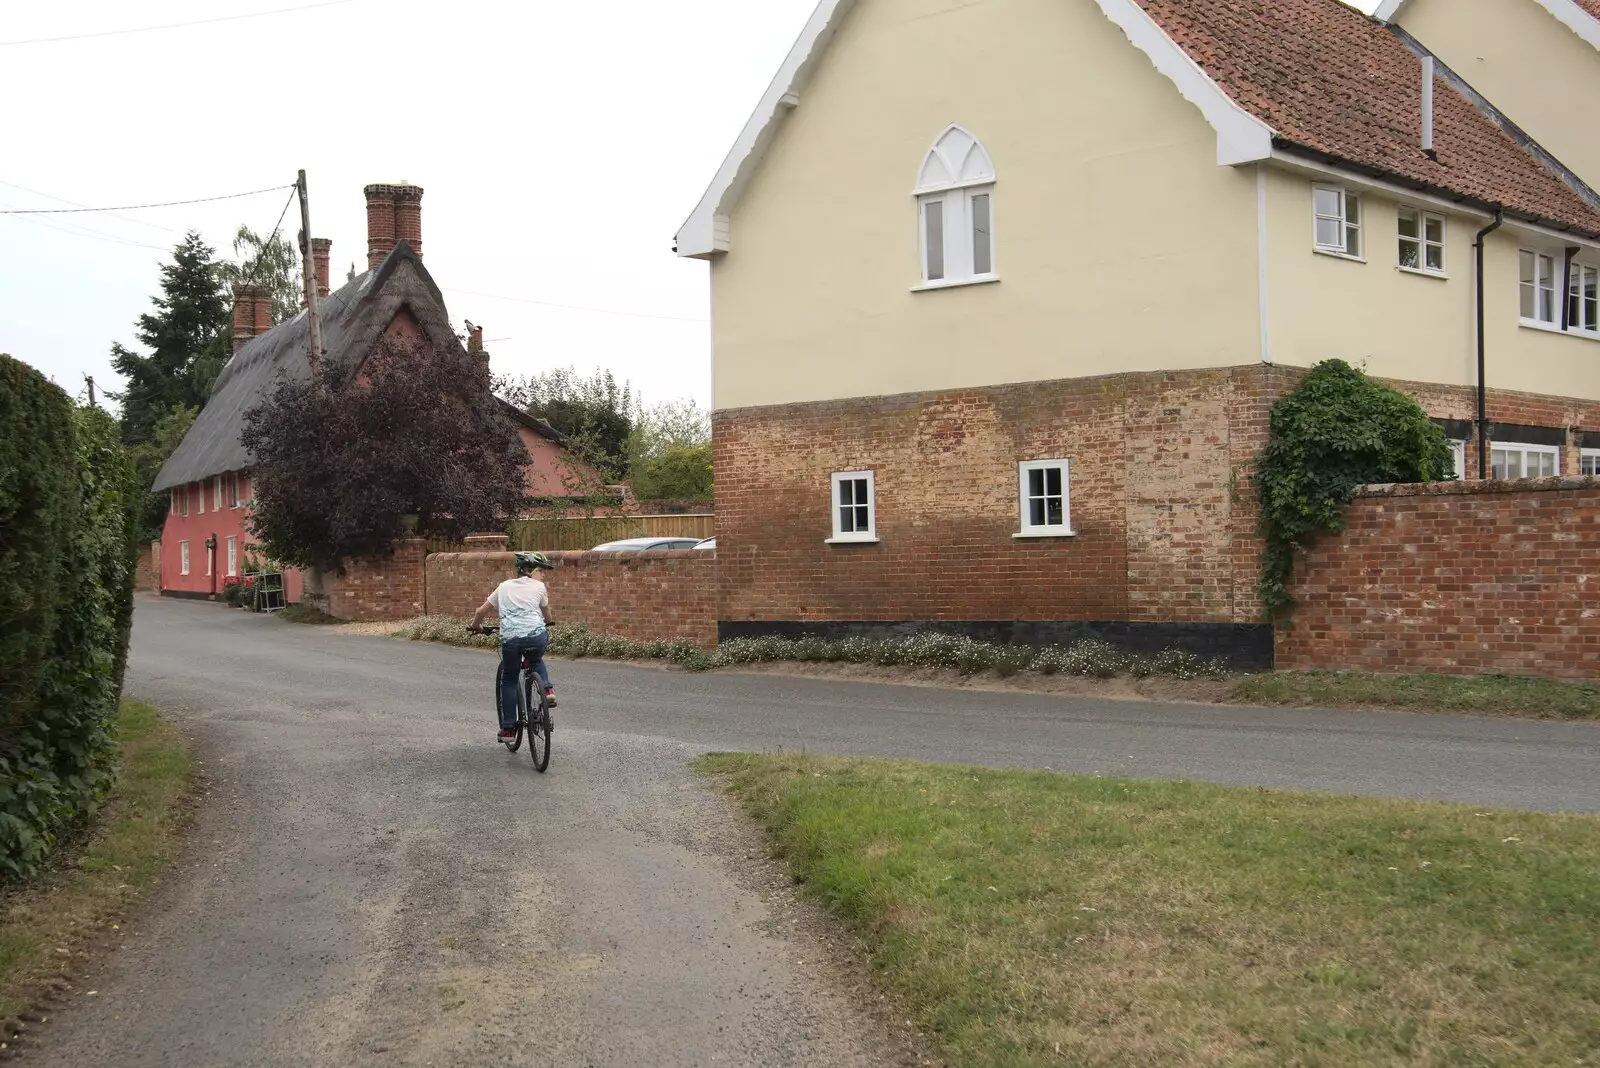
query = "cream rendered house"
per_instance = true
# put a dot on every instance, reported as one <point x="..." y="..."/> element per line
<point x="1002" y="294"/>
<point x="1538" y="59"/>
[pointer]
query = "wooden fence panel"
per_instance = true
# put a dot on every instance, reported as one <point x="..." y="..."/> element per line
<point x="561" y="535"/>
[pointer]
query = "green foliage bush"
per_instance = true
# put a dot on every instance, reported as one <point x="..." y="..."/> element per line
<point x="69" y="507"/>
<point x="1336" y="431"/>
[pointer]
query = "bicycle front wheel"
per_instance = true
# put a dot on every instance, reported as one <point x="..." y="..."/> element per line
<point x="538" y="721"/>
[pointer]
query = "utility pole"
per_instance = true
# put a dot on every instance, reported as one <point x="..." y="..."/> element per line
<point x="309" y="271"/>
<point x="90" y="379"/>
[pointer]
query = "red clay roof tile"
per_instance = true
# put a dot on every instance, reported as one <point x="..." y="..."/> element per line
<point x="1330" y="80"/>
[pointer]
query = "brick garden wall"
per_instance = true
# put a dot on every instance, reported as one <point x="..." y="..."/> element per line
<point x="147" y="575"/>
<point x="375" y="588"/>
<point x="654" y="596"/>
<point x="1456" y="577"/>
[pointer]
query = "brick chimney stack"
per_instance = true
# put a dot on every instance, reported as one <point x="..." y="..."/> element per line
<point x="252" y="313"/>
<point x="475" y="342"/>
<point x="320" y="249"/>
<point x="394" y="213"/>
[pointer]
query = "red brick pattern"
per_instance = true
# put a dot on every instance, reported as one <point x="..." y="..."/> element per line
<point x="1462" y="578"/>
<point x="1591" y="6"/>
<point x="654" y="596"/>
<point x="1162" y="502"/>
<point x="147" y="575"/>
<point x="1154" y="469"/>
<point x="376" y="588"/>
<point x="1329" y="79"/>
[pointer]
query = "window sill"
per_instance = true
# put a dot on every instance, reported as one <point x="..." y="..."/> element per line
<point x="1440" y="275"/>
<point x="1046" y="534"/>
<point x="1339" y="255"/>
<point x="951" y="283"/>
<point x="1551" y="328"/>
<point x="851" y="540"/>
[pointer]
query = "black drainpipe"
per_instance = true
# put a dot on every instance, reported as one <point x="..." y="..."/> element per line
<point x="1483" y="412"/>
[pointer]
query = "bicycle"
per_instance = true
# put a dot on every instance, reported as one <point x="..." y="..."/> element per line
<point x="535" y="723"/>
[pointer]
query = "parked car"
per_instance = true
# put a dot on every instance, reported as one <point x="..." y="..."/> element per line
<point x="709" y="543"/>
<point x="639" y="545"/>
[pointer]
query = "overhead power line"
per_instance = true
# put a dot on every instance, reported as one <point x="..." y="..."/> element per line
<point x="77" y="204"/>
<point x="138" y="207"/>
<point x="177" y="25"/>
<point x="577" y="307"/>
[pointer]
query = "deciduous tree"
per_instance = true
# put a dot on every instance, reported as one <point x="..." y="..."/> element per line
<point x="340" y="459"/>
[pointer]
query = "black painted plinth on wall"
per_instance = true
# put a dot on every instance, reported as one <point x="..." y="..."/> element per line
<point x="1245" y="646"/>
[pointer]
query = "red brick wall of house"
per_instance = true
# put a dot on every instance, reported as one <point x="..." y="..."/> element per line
<point x="1162" y="502"/>
<point x="654" y="596"/>
<point x="1156" y="460"/>
<point x="1456" y="577"/>
<point x="376" y="588"/>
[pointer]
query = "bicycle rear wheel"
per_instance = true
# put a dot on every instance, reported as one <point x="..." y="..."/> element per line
<point x="515" y="743"/>
<point x="538" y="721"/>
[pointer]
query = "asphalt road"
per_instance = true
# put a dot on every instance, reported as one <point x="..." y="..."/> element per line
<point x="372" y="881"/>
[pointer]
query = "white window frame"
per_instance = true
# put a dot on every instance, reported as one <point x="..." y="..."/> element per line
<point x="1024" y="499"/>
<point x="172" y="505"/>
<point x="955" y="173"/>
<point x="1588" y="319"/>
<point x="1422" y="241"/>
<point x="233" y="556"/>
<point x="183" y="501"/>
<point x="1525" y="449"/>
<point x="1537" y="286"/>
<point x="200" y="498"/>
<point x="183" y="558"/>
<point x="216" y="494"/>
<point x="211" y="555"/>
<point x="1342" y="247"/>
<point x="1589" y="458"/>
<point x="840" y="535"/>
<point x="1458" y="451"/>
<point x="233" y="489"/>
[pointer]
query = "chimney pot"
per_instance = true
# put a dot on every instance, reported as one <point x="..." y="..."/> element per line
<point x="244" y="314"/>
<point x="408" y="216"/>
<point x="474" y="340"/>
<point x="320" y="249"/>
<point x="380" y="223"/>
<point x="394" y="213"/>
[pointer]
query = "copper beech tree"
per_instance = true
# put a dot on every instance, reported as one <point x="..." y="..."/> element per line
<point x="342" y="457"/>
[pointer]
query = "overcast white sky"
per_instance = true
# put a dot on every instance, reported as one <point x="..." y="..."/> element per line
<point x="560" y="145"/>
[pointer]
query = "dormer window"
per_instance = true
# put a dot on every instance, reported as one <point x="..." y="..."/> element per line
<point x="955" y="212"/>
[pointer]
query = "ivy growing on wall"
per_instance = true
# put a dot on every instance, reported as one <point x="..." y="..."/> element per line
<point x="1338" y="430"/>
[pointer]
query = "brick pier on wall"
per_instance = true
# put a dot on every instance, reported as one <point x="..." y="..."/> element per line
<point x="653" y="596"/>
<point x="1455" y="577"/>
<point x="378" y="588"/>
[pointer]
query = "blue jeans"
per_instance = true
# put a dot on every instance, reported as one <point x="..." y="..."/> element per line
<point x="511" y="651"/>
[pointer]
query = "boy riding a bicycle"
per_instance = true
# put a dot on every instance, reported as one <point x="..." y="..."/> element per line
<point x="523" y="605"/>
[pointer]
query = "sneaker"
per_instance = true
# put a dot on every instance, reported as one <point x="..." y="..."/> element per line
<point x="550" y="699"/>
<point x="507" y="736"/>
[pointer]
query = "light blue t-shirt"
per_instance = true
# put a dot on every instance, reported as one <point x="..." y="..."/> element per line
<point x="521" y="603"/>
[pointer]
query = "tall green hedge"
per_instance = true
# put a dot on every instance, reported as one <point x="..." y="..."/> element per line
<point x="68" y="503"/>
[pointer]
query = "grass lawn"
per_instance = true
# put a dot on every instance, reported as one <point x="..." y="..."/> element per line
<point x="1029" y="918"/>
<point x="1501" y="695"/>
<point x="86" y="888"/>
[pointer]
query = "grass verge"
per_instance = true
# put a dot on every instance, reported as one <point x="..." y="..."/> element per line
<point x="1501" y="695"/>
<point x="47" y="926"/>
<point x="1038" y="919"/>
